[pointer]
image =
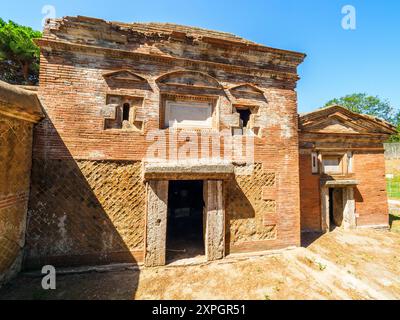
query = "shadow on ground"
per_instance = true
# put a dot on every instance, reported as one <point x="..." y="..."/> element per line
<point x="394" y="223"/>
<point x="357" y="264"/>
<point x="88" y="286"/>
<point x="308" y="238"/>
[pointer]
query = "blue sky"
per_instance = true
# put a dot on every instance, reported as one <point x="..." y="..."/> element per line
<point x="339" y="61"/>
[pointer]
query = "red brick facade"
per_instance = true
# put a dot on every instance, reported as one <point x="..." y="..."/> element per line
<point x="85" y="176"/>
<point x="97" y="198"/>
<point x="339" y="132"/>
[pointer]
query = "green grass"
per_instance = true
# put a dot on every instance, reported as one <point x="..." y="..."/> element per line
<point x="393" y="188"/>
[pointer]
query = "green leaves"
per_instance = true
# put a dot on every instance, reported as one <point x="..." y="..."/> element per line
<point x="18" y="49"/>
<point x="370" y="105"/>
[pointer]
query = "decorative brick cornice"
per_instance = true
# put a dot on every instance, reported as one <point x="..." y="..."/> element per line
<point x="48" y="45"/>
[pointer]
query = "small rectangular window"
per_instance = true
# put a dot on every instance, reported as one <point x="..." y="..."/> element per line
<point x="314" y="162"/>
<point x="120" y="112"/>
<point x="125" y="112"/>
<point x="349" y="162"/>
<point x="244" y="117"/>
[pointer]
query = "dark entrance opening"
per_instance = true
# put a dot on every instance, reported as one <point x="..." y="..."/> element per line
<point x="125" y="112"/>
<point x="185" y="233"/>
<point x="335" y="207"/>
<point x="244" y="117"/>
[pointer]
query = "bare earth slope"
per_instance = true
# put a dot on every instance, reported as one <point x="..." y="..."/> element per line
<point x="361" y="264"/>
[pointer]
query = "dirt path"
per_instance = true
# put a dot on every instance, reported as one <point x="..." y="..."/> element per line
<point x="361" y="264"/>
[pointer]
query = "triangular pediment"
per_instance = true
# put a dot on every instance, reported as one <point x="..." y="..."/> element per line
<point x="189" y="78"/>
<point x="247" y="88"/>
<point x="338" y="120"/>
<point x="336" y="125"/>
<point x="124" y="75"/>
<point x="247" y="91"/>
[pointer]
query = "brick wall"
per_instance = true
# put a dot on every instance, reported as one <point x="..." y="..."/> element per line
<point x="249" y="217"/>
<point x="85" y="212"/>
<point x="15" y="155"/>
<point x="91" y="227"/>
<point x="16" y="107"/>
<point x="337" y="131"/>
<point x="310" y="195"/>
<point x="370" y="195"/>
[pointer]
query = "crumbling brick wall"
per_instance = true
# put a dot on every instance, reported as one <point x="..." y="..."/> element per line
<point x="19" y="110"/>
<point x="85" y="212"/>
<point x="246" y="211"/>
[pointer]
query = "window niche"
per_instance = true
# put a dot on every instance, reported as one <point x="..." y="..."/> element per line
<point x="246" y="120"/>
<point x="350" y="161"/>
<point x="314" y="163"/>
<point x="124" y="115"/>
<point x="333" y="164"/>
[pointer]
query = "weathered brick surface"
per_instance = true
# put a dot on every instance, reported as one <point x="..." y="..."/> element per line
<point x="77" y="79"/>
<point x="310" y="195"/>
<point x="18" y="111"/>
<point x="370" y="195"/>
<point x="340" y="131"/>
<point x="246" y="210"/>
<point x="93" y="209"/>
<point x="16" y="137"/>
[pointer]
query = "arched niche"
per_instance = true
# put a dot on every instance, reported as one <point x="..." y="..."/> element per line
<point x="247" y="91"/>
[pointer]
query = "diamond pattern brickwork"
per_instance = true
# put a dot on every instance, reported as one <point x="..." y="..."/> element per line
<point x="15" y="168"/>
<point x="85" y="208"/>
<point x="246" y="209"/>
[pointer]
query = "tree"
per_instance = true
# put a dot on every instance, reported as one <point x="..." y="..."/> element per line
<point x="19" y="56"/>
<point x="396" y="138"/>
<point x="370" y="105"/>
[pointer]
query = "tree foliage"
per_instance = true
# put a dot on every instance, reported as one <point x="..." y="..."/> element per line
<point x="370" y="105"/>
<point x="396" y="122"/>
<point x="19" y="56"/>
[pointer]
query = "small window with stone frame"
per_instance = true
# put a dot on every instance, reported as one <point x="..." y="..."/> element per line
<point x="124" y="116"/>
<point x="245" y="113"/>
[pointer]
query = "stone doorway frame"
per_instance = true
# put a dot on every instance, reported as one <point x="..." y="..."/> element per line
<point x="349" y="207"/>
<point x="156" y="221"/>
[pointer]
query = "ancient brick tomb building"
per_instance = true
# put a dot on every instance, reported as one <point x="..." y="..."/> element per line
<point x="342" y="170"/>
<point x="114" y="93"/>
<point x="162" y="139"/>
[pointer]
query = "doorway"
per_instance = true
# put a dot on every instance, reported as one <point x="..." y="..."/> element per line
<point x="185" y="222"/>
<point x="336" y="208"/>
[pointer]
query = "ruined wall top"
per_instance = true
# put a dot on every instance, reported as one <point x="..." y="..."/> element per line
<point x="19" y="103"/>
<point x="166" y="40"/>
